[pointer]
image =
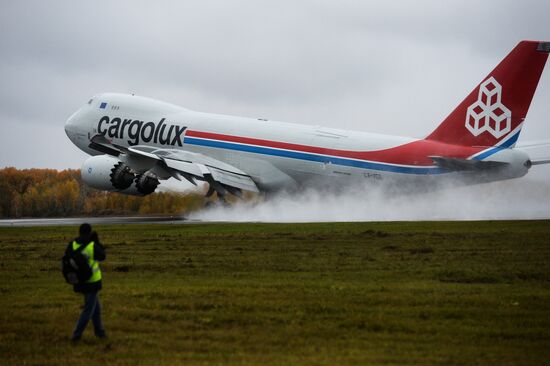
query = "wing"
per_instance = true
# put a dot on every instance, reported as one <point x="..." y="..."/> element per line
<point x="542" y="145"/>
<point x="165" y="163"/>
<point x="533" y="144"/>
<point x="457" y="164"/>
<point x="540" y="161"/>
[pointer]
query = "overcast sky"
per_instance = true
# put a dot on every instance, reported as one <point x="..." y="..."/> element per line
<point x="388" y="67"/>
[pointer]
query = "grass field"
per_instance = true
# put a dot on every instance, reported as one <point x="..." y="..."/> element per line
<point x="278" y="294"/>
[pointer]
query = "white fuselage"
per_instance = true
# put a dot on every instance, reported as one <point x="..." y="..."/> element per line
<point x="276" y="155"/>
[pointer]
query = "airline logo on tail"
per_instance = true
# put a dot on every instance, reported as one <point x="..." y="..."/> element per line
<point x="488" y="113"/>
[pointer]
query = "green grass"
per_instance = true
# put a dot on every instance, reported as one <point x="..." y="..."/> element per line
<point x="276" y="294"/>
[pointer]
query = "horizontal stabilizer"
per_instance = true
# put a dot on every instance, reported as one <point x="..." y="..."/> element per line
<point x="456" y="164"/>
<point x="533" y="144"/>
<point x="540" y="162"/>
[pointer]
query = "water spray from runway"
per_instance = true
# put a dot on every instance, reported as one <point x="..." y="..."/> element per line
<point x="517" y="199"/>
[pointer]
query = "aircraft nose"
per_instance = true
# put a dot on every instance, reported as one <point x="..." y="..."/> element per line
<point x="71" y="126"/>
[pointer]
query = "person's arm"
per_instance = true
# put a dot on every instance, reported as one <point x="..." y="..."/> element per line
<point x="99" y="250"/>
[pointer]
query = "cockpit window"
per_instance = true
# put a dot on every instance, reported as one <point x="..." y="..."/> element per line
<point x="90" y="101"/>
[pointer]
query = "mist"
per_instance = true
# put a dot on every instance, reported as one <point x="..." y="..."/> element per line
<point x="526" y="198"/>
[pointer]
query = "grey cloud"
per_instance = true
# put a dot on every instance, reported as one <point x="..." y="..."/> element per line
<point x="390" y="67"/>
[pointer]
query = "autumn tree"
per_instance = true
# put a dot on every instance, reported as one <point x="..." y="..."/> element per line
<point x="50" y="193"/>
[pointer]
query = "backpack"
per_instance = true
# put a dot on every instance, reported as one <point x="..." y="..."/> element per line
<point x="75" y="267"/>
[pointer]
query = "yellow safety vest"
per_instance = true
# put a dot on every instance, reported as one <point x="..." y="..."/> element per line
<point x="88" y="252"/>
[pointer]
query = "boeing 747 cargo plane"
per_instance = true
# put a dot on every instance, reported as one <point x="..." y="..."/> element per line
<point x="135" y="142"/>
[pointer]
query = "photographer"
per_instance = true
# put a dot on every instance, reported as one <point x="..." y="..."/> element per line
<point x="94" y="252"/>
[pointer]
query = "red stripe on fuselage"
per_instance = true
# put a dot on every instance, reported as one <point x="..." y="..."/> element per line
<point x="412" y="153"/>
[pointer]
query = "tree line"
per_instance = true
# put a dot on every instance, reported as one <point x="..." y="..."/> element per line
<point x="52" y="193"/>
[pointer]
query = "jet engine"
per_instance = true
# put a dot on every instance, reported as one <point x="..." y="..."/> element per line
<point x="107" y="173"/>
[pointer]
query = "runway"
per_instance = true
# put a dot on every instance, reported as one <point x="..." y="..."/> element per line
<point x="95" y="221"/>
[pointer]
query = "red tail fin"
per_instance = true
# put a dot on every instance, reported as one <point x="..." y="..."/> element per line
<point x="493" y="113"/>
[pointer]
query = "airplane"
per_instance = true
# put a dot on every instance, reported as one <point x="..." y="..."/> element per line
<point x="136" y="142"/>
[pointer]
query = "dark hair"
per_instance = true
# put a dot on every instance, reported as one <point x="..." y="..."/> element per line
<point x="85" y="229"/>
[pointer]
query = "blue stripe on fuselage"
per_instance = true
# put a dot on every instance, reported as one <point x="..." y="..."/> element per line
<point x="505" y="145"/>
<point x="313" y="157"/>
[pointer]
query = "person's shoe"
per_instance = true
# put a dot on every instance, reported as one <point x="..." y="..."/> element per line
<point x="75" y="339"/>
<point x="102" y="336"/>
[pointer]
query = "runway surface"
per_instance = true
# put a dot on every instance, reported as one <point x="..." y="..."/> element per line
<point x="95" y="220"/>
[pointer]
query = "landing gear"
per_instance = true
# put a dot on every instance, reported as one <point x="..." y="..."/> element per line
<point x="221" y="192"/>
<point x="146" y="184"/>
